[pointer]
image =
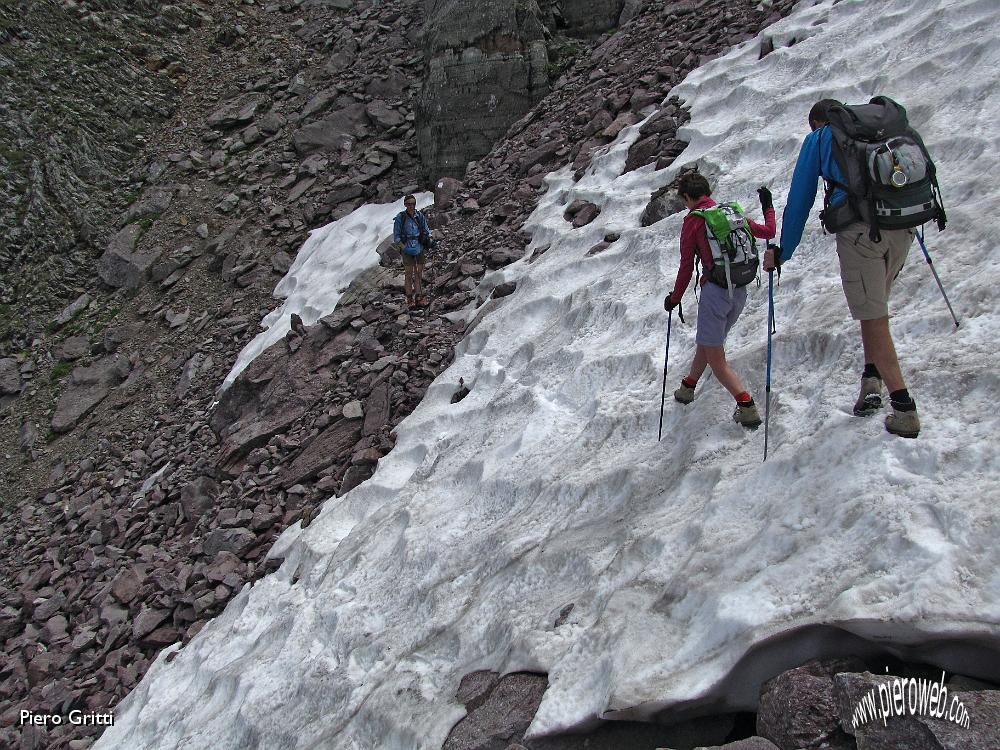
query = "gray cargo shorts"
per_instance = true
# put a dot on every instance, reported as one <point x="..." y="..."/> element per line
<point x="717" y="313"/>
<point x="867" y="269"/>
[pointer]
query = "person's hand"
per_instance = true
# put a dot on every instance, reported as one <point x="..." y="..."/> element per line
<point x="766" y="201"/>
<point x="669" y="304"/>
<point x="772" y="258"/>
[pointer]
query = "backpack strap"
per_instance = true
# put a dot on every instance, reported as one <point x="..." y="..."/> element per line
<point x="402" y="225"/>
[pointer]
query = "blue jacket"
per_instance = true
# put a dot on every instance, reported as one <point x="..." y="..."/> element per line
<point x="406" y="229"/>
<point x="815" y="161"/>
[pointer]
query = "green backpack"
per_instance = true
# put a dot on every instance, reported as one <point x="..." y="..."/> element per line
<point x="734" y="248"/>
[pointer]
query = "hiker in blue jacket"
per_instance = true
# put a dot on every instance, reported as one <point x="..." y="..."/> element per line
<point x="867" y="271"/>
<point x="409" y="228"/>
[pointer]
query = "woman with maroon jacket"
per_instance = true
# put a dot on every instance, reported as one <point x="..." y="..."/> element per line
<point x="718" y="307"/>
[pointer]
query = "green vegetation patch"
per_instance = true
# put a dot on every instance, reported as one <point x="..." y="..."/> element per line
<point x="60" y="370"/>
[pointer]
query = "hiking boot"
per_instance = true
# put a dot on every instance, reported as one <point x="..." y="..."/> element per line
<point x="684" y="394"/>
<point x="747" y="415"/>
<point x="870" y="399"/>
<point x="904" y="423"/>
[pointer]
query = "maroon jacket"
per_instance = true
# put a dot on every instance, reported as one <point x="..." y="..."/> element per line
<point x="694" y="238"/>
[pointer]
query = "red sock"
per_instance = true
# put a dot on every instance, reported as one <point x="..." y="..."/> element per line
<point x="743" y="398"/>
<point x="689" y="382"/>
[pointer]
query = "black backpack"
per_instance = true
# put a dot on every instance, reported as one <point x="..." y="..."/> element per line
<point x="891" y="181"/>
<point x="424" y="237"/>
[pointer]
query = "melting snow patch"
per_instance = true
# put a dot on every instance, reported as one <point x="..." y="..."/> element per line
<point x="323" y="269"/>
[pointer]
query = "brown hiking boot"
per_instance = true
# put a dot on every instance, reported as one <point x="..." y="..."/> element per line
<point x="747" y="415"/>
<point x="903" y="423"/>
<point x="870" y="399"/>
<point x="684" y="394"/>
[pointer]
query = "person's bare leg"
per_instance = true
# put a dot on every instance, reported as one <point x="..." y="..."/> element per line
<point x="418" y="279"/>
<point x="408" y="281"/>
<point x="699" y="363"/>
<point x="879" y="349"/>
<point x="716" y="357"/>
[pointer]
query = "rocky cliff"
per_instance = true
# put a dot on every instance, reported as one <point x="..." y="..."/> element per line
<point x="489" y="63"/>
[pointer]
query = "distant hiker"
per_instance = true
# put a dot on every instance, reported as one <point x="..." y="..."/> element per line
<point x="412" y="236"/>
<point x="864" y="209"/>
<point x="723" y="284"/>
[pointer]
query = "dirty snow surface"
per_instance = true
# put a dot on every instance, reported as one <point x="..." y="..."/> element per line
<point x="546" y="486"/>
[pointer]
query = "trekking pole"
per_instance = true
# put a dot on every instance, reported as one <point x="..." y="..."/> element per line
<point x="920" y="239"/>
<point x="666" y="358"/>
<point x="770" y="328"/>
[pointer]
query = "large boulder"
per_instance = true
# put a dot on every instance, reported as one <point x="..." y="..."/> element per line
<point x="499" y="709"/>
<point x="88" y="386"/>
<point x="337" y="132"/>
<point x="384" y="116"/>
<point x="798" y="708"/>
<point x="445" y="191"/>
<point x="662" y="203"/>
<point x="153" y="202"/>
<point x="10" y="377"/>
<point x="121" y="265"/>
<point x="231" y="114"/>
<point x="376" y="410"/>
<point x="332" y="446"/>
<point x="237" y="541"/>
<point x="197" y="498"/>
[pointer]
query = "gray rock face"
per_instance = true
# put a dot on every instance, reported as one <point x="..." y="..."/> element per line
<point x="121" y="265"/>
<point x="88" y="386"/>
<point x="487" y="66"/>
<point x="583" y="17"/>
<point x="631" y="9"/>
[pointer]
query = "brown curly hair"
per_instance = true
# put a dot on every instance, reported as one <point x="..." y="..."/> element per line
<point x="693" y="185"/>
